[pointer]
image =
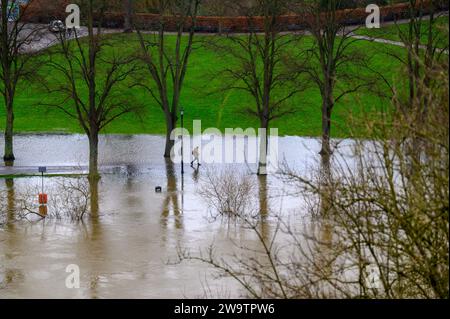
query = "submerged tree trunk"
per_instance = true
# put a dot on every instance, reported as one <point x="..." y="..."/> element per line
<point x="263" y="148"/>
<point x="264" y="207"/>
<point x="326" y="152"/>
<point x="9" y="130"/>
<point x="326" y="131"/>
<point x="93" y="156"/>
<point x="326" y="185"/>
<point x="11" y="202"/>
<point x="93" y="200"/>
<point x="170" y="124"/>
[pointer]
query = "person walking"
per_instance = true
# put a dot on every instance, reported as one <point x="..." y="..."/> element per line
<point x="196" y="154"/>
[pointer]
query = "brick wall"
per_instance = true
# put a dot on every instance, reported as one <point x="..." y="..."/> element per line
<point x="45" y="10"/>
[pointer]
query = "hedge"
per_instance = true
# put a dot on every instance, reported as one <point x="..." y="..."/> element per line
<point x="214" y="24"/>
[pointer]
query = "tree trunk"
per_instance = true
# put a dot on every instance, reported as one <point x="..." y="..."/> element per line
<point x="326" y="193"/>
<point x="94" y="202"/>
<point x="93" y="156"/>
<point x="128" y="12"/>
<point x="170" y="124"/>
<point x="326" y="152"/>
<point x="263" y="202"/>
<point x="11" y="201"/>
<point x="327" y="105"/>
<point x="263" y="148"/>
<point x="264" y="208"/>
<point x="9" y="129"/>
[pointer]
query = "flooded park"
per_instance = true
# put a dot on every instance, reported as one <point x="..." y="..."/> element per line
<point x="125" y="246"/>
<point x="126" y="172"/>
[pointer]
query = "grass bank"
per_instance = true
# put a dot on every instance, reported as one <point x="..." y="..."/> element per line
<point x="202" y="102"/>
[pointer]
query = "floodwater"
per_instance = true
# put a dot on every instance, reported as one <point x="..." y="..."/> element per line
<point x="125" y="247"/>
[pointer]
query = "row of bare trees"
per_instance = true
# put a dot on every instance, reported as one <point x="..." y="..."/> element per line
<point x="377" y="228"/>
<point x="269" y="65"/>
<point x="376" y="224"/>
<point x="90" y="95"/>
<point x="274" y="66"/>
<point x="386" y="212"/>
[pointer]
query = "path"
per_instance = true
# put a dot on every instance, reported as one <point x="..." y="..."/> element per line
<point x="58" y="170"/>
<point x="391" y="42"/>
<point x="46" y="39"/>
<point x="43" y="39"/>
<point x="31" y="171"/>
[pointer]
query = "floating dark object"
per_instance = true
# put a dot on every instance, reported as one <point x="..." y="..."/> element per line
<point x="158" y="189"/>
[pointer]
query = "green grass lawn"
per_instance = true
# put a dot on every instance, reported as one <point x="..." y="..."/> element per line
<point x="221" y="110"/>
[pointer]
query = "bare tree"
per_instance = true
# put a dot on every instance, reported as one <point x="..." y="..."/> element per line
<point x="257" y="68"/>
<point x="167" y="63"/>
<point x="15" y="37"/>
<point x="128" y="6"/>
<point x="234" y="197"/>
<point x="69" y="198"/>
<point x="390" y="222"/>
<point x="384" y="234"/>
<point x="8" y="202"/>
<point x="426" y="44"/>
<point x="378" y="230"/>
<point x="95" y="71"/>
<point x="333" y="63"/>
<point x="229" y="195"/>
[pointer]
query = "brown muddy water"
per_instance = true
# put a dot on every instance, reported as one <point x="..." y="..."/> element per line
<point x="123" y="249"/>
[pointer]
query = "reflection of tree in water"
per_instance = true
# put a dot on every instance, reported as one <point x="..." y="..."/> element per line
<point x="326" y="183"/>
<point x="95" y="235"/>
<point x="170" y="203"/>
<point x="264" y="207"/>
<point x="195" y="174"/>
<point x="324" y="248"/>
<point x="9" y="276"/>
<point x="94" y="198"/>
<point x="10" y="203"/>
